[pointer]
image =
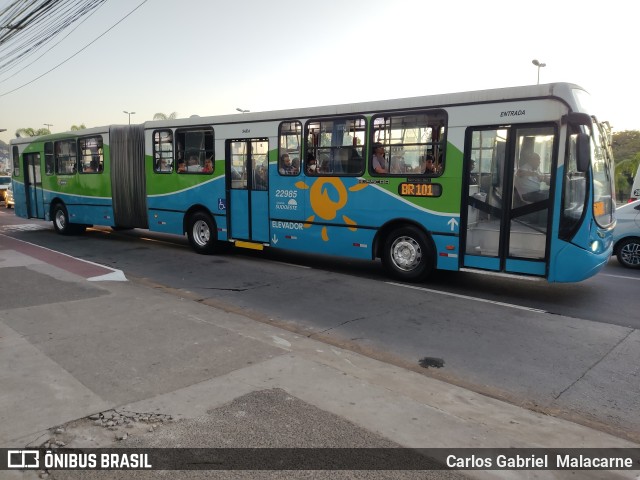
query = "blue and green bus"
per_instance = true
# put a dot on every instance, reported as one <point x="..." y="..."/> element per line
<point x="434" y="182"/>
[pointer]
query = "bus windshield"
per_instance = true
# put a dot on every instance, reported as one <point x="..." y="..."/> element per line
<point x="602" y="166"/>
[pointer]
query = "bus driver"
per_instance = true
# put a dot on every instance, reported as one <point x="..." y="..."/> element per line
<point x="528" y="180"/>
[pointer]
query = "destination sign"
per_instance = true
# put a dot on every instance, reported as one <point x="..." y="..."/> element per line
<point x="407" y="189"/>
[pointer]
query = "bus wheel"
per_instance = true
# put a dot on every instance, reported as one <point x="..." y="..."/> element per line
<point x="408" y="254"/>
<point x="202" y="233"/>
<point x="61" y="222"/>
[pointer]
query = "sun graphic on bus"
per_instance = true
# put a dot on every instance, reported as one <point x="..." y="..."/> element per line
<point x="324" y="206"/>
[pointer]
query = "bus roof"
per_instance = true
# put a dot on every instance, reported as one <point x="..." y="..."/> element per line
<point x="561" y="91"/>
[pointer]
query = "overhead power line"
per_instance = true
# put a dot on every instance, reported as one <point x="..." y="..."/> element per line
<point x="16" y="70"/>
<point x="19" y="20"/>
<point x="28" y="25"/>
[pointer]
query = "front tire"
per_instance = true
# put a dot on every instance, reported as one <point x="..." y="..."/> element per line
<point x="61" y="222"/>
<point x="202" y="233"/>
<point x="628" y="252"/>
<point x="408" y="254"/>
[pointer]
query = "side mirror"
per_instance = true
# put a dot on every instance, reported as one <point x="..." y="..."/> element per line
<point x="583" y="152"/>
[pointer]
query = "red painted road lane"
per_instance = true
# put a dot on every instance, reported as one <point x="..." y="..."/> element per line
<point x="57" y="259"/>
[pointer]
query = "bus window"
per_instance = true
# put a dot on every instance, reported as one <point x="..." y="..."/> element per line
<point x="92" y="159"/>
<point x="193" y="147"/>
<point x="574" y="195"/>
<point x="336" y="145"/>
<point x="289" y="148"/>
<point x="66" y="157"/>
<point x="603" y="200"/>
<point x="49" y="162"/>
<point x="534" y="154"/>
<point x="162" y="151"/>
<point x="239" y="154"/>
<point x="413" y="143"/>
<point x="16" y="161"/>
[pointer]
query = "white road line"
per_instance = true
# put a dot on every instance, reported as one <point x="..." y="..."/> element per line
<point x="619" y="276"/>
<point x="466" y="297"/>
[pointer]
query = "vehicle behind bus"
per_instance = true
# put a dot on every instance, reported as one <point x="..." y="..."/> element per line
<point x="635" y="188"/>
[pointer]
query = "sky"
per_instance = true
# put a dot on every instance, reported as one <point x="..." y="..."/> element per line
<point x="209" y="57"/>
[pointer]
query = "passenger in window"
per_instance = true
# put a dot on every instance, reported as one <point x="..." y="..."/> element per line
<point x="295" y="163"/>
<point x="379" y="163"/>
<point x="91" y="168"/>
<point x="529" y="182"/>
<point x="181" y="167"/>
<point x="430" y="165"/>
<point x="261" y="178"/>
<point x="208" y="166"/>
<point x="164" y="166"/>
<point x="194" y="164"/>
<point x="286" y="167"/>
<point x="312" y="164"/>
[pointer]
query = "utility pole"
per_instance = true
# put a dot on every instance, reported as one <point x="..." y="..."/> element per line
<point x="129" y="113"/>
<point x="539" y="65"/>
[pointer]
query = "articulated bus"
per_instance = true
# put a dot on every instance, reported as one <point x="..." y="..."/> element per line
<point x="433" y="182"/>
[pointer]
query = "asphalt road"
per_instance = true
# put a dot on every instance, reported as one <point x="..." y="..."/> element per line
<point x="569" y="350"/>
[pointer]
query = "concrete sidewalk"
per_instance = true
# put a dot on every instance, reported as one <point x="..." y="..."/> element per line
<point x="120" y="363"/>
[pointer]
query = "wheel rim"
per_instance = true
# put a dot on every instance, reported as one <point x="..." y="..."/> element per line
<point x="201" y="233"/>
<point x="630" y="254"/>
<point x="406" y="253"/>
<point x="61" y="220"/>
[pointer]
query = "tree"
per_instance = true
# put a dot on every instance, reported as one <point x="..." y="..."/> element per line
<point x="625" y="144"/>
<point x="32" y="132"/>
<point x="164" y="116"/>
<point x="82" y="126"/>
<point x="626" y="153"/>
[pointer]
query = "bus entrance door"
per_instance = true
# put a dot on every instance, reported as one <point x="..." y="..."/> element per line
<point x="33" y="185"/>
<point x="508" y="199"/>
<point x="247" y="187"/>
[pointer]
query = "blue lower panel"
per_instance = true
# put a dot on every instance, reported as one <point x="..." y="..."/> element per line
<point x="260" y="216"/>
<point x="239" y="204"/>
<point x="573" y="264"/>
<point x="447" y="251"/>
<point x="166" y="222"/>
<point x="330" y="240"/>
<point x="486" y="263"/>
<point x="90" y="214"/>
<point x="528" y="267"/>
